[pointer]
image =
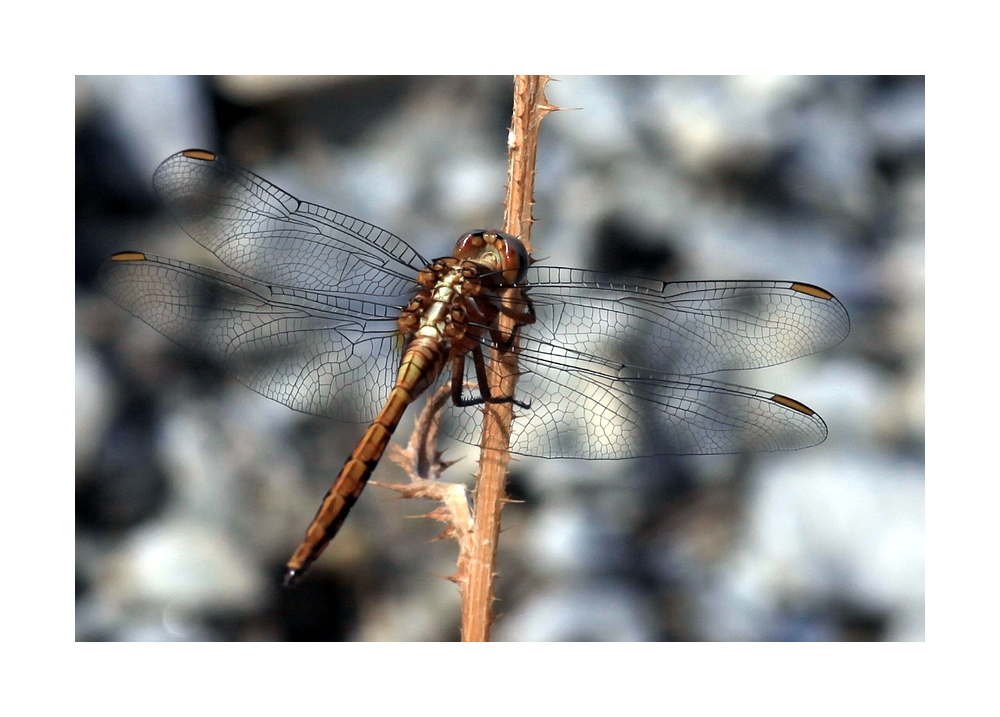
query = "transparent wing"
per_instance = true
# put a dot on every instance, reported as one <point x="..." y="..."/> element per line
<point x="263" y="232"/>
<point x="610" y="366"/>
<point x="686" y="328"/>
<point x="319" y="352"/>
<point x="574" y="413"/>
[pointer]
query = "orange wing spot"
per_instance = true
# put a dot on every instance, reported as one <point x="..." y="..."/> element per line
<point x="199" y="154"/>
<point x="812" y="291"/>
<point x="793" y="404"/>
<point x="129" y="256"/>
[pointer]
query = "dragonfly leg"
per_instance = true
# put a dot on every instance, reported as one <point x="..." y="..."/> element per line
<point x="522" y="318"/>
<point x="485" y="396"/>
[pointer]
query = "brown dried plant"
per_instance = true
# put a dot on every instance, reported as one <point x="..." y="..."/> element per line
<point x="477" y="534"/>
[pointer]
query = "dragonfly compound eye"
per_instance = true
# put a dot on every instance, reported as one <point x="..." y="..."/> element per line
<point x="496" y="250"/>
<point x="515" y="256"/>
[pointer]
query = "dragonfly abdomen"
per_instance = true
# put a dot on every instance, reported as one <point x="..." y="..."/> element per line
<point x="419" y="368"/>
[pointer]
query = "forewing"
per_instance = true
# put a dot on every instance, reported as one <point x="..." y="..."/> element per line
<point x="685" y="328"/>
<point x="265" y="233"/>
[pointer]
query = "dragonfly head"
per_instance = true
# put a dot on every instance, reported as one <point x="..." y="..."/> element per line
<point x="497" y="251"/>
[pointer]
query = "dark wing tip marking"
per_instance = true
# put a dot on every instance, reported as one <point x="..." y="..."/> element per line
<point x="793" y="404"/>
<point x="128" y="256"/>
<point x="199" y="154"/>
<point x="812" y="291"/>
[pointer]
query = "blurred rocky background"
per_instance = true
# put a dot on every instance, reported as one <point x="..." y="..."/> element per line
<point x="192" y="491"/>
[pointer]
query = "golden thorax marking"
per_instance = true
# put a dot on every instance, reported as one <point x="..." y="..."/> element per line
<point x="444" y="295"/>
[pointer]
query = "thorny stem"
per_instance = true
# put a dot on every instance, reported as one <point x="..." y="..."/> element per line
<point x="422" y="461"/>
<point x="476" y="580"/>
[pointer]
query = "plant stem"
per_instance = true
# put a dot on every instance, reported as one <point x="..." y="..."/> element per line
<point x="530" y="106"/>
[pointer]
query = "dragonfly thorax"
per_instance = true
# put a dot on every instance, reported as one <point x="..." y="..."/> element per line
<point x="455" y="287"/>
<point x="436" y="315"/>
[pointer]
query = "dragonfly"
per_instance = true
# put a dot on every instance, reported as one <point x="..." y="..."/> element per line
<point x="333" y="316"/>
